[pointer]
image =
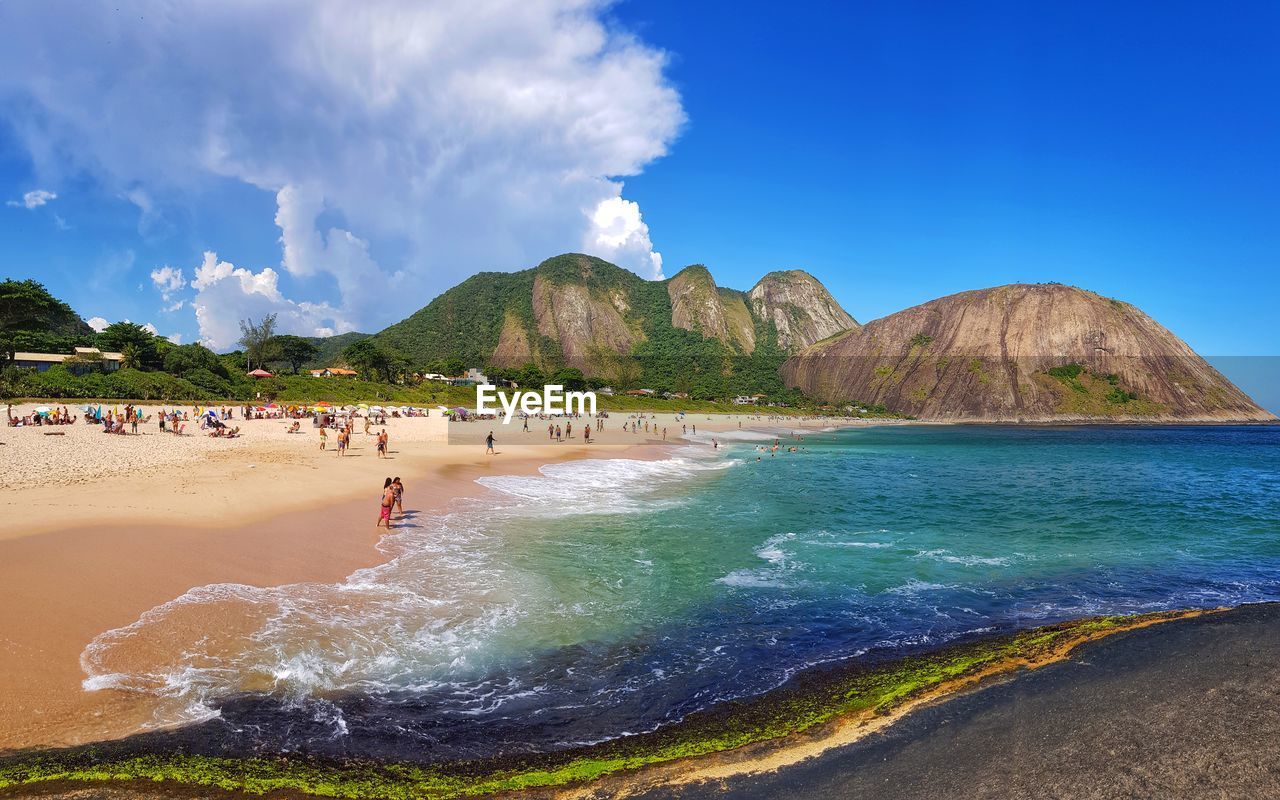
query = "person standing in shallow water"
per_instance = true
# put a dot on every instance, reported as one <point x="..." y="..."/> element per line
<point x="388" y="500"/>
<point x="398" y="488"/>
<point x="488" y="444"/>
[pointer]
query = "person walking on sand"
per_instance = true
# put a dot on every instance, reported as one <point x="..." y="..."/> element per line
<point x="382" y="444"/>
<point x="399" y="489"/>
<point x="388" y="500"/>
<point x="586" y="434"/>
<point x="488" y="445"/>
<point x="344" y="436"/>
<point x="324" y="438"/>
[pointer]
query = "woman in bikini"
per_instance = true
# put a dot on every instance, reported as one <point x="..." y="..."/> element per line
<point x="388" y="500"/>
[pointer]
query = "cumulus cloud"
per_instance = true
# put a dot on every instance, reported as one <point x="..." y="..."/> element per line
<point x="226" y="294"/>
<point x="176" y="338"/>
<point x="98" y="324"/>
<point x="406" y="144"/>
<point x="146" y="326"/>
<point x="619" y="234"/>
<point x="169" y="281"/>
<point x="33" y="199"/>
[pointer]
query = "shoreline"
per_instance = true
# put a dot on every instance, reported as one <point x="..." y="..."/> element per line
<point x="102" y="566"/>
<point x="787" y="726"/>
<point x="83" y="558"/>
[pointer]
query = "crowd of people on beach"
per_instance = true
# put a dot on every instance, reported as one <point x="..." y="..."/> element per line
<point x="40" y="417"/>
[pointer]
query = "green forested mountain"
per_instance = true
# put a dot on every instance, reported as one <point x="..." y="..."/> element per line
<point x="33" y="319"/>
<point x="582" y="313"/>
<point x="329" y="348"/>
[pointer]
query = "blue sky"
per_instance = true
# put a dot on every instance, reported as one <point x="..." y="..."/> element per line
<point x="898" y="151"/>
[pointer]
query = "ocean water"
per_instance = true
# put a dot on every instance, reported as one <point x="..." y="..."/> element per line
<point x="609" y="597"/>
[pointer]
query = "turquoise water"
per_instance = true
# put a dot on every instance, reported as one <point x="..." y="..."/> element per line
<point x="608" y="597"/>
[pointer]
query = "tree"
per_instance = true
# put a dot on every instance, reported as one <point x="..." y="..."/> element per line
<point x="135" y="342"/>
<point x="570" y="378"/>
<point x="296" y="351"/>
<point x="28" y="306"/>
<point x="186" y="358"/>
<point x="529" y="376"/>
<point x="257" y="340"/>
<point x="130" y="358"/>
<point x="367" y="358"/>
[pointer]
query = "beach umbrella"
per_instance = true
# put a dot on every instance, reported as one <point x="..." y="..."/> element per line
<point x="42" y="410"/>
<point x="375" y="408"/>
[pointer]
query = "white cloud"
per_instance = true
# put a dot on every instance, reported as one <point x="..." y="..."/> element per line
<point x="33" y="199"/>
<point x="98" y="324"/>
<point x="176" y="338"/>
<point x="146" y="326"/>
<point x="619" y="234"/>
<point x="169" y="280"/>
<point x="226" y="294"/>
<point x="407" y="144"/>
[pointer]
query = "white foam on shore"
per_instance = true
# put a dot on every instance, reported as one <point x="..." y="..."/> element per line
<point x="610" y="485"/>
<point x="443" y="610"/>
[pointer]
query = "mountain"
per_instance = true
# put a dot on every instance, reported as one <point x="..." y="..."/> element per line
<point x="697" y="304"/>
<point x="578" y="311"/>
<point x="1021" y="352"/>
<point x="800" y="307"/>
<point x="28" y="306"/>
<point x="331" y="347"/>
<point x="31" y="319"/>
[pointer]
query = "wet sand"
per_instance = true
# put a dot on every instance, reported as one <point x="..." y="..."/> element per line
<point x="60" y="588"/>
<point x="1185" y="709"/>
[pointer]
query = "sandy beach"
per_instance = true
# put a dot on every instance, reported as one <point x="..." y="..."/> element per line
<point x="97" y="529"/>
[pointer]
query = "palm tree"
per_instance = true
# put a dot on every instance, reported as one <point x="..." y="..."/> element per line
<point x="130" y="358"/>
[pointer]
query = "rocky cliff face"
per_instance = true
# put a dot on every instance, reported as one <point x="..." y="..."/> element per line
<point x="800" y="307"/>
<point x="1021" y="353"/>
<point x="585" y="320"/>
<point x="697" y="304"/>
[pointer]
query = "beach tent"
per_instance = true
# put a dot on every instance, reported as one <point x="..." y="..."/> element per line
<point x="261" y="373"/>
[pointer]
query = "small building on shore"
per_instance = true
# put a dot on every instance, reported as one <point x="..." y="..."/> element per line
<point x="334" y="372"/>
<point x="84" y="359"/>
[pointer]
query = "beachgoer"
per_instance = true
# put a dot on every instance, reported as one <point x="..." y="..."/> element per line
<point x="382" y="444"/>
<point x="324" y="439"/>
<point x="388" y="500"/>
<point x="399" y="487"/>
<point x="488" y="444"/>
